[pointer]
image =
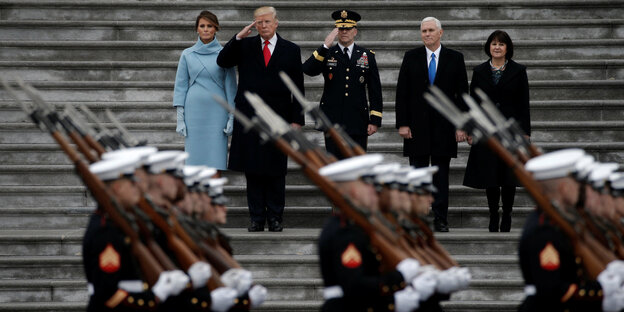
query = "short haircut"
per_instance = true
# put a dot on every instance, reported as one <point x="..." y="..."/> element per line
<point x="500" y="36"/>
<point x="430" y="18"/>
<point x="265" y="10"/>
<point x="208" y="16"/>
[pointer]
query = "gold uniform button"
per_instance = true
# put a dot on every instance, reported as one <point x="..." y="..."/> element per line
<point x="346" y="93"/>
<point x="582" y="292"/>
<point x="578" y="260"/>
<point x="347" y="86"/>
<point x="194" y="301"/>
<point x="236" y="301"/>
<point x="151" y="303"/>
<point x="130" y="299"/>
<point x="204" y="304"/>
<point x="600" y="293"/>
<point x="385" y="289"/>
<point x="245" y="302"/>
<point x="347" y="69"/>
<point x="347" y="78"/>
<point x="140" y="302"/>
<point x="391" y="307"/>
<point x="592" y="293"/>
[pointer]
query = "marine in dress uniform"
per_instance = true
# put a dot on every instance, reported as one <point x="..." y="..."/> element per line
<point x="553" y="274"/>
<point x="348" y="76"/>
<point x="113" y="275"/>
<point x="350" y="268"/>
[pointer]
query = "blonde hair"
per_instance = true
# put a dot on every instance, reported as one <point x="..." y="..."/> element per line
<point x="265" y="10"/>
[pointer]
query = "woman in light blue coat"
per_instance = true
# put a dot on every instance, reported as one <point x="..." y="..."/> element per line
<point x="200" y="119"/>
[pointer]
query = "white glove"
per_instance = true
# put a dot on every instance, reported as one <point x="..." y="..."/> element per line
<point x="238" y="279"/>
<point x="257" y="295"/>
<point x="463" y="277"/>
<point x="180" y="125"/>
<point x="613" y="302"/>
<point x="408" y="268"/>
<point x="425" y="284"/>
<point x="406" y="300"/>
<point x="617" y="267"/>
<point x="222" y="299"/>
<point x="170" y="283"/>
<point x="611" y="282"/>
<point x="229" y="126"/>
<point x="200" y="274"/>
<point x="447" y="282"/>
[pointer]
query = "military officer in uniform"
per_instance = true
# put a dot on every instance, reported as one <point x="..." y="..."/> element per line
<point x="348" y="71"/>
<point x="554" y="275"/>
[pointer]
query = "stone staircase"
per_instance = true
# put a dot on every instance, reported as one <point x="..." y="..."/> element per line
<point x="122" y="55"/>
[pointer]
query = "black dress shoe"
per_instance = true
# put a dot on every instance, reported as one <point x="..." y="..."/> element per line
<point x="255" y="227"/>
<point x="275" y="226"/>
<point x="440" y="226"/>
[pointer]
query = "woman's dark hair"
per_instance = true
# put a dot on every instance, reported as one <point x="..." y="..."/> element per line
<point x="500" y="36"/>
<point x="210" y="17"/>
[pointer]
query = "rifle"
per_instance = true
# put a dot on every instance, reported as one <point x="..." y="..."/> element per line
<point x="347" y="146"/>
<point x="150" y="267"/>
<point x="584" y="245"/>
<point x="105" y="136"/>
<point x="82" y="127"/>
<point x="381" y="238"/>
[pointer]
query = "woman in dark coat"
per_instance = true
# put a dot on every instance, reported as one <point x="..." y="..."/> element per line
<point x="506" y="84"/>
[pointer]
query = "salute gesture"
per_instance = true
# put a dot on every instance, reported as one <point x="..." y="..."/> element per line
<point x="246" y="31"/>
<point x="329" y="40"/>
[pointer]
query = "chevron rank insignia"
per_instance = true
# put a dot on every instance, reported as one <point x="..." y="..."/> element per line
<point x="351" y="257"/>
<point x="549" y="258"/>
<point x="109" y="259"/>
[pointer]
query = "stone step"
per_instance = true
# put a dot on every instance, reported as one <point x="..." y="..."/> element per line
<point x="311" y="29"/>
<point x="163" y="132"/>
<point x="296" y="196"/>
<point x="163" y="91"/>
<point x="294" y="10"/>
<point x="386" y="50"/>
<point x="503" y="267"/>
<point x="50" y="153"/>
<point x="158" y="112"/>
<point x="388" y="71"/>
<point x="279" y="289"/>
<point x="293" y="241"/>
<point x="238" y="216"/>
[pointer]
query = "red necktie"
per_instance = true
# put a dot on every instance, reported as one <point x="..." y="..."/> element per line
<point x="266" y="52"/>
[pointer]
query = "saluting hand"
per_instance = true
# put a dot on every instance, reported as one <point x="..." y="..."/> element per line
<point x="329" y="40"/>
<point x="246" y="31"/>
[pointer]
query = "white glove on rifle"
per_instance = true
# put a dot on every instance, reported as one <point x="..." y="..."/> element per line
<point x="406" y="300"/>
<point x="180" y="125"/>
<point x="200" y="274"/>
<point x="408" y="268"/>
<point x="170" y="283"/>
<point x="257" y="295"/>
<point x="425" y="283"/>
<point x="238" y="279"/>
<point x="222" y="298"/>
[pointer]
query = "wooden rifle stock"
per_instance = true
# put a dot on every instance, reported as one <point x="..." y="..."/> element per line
<point x="390" y="255"/>
<point x="592" y="262"/>
<point x="150" y="243"/>
<point x="432" y="242"/>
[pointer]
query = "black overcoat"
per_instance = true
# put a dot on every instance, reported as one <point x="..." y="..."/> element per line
<point x="432" y="134"/>
<point x="511" y="96"/>
<point x="247" y="153"/>
<point x="346" y="82"/>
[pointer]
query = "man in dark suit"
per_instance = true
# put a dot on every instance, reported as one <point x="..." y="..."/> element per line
<point x="348" y="70"/>
<point x="428" y="137"/>
<point x="259" y="60"/>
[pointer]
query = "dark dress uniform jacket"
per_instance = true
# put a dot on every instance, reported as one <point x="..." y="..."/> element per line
<point x="344" y="98"/>
<point x="346" y="260"/>
<point x="511" y="96"/>
<point x="548" y="263"/>
<point x="247" y="154"/>
<point x="432" y="134"/>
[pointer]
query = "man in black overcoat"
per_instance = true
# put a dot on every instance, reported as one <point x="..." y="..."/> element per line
<point x="349" y="73"/>
<point x="259" y="60"/>
<point x="428" y="137"/>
